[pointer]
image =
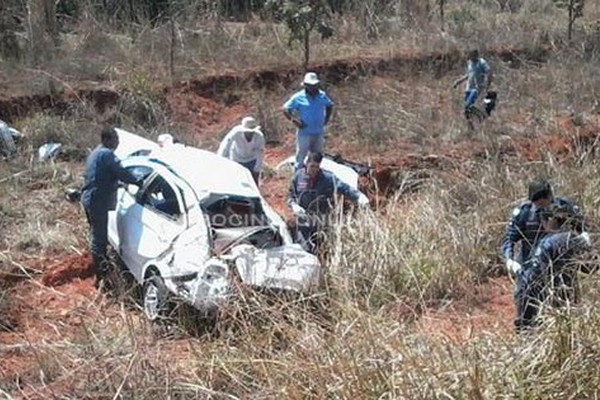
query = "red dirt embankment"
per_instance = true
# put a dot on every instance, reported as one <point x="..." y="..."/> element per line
<point x="222" y="87"/>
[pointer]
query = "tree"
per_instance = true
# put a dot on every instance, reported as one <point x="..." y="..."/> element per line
<point x="574" y="9"/>
<point x="441" y="5"/>
<point x="302" y="17"/>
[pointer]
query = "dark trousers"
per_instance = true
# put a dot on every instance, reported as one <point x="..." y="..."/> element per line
<point x="98" y="241"/>
<point x="532" y="289"/>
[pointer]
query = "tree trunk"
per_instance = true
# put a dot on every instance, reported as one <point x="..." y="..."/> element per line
<point x="306" y="48"/>
<point x="571" y="20"/>
<point x="442" y="3"/>
<point x="50" y="22"/>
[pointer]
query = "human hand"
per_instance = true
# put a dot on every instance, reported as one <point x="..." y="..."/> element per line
<point x="363" y="201"/>
<point x="298" y="211"/>
<point x="299" y="123"/>
<point x="513" y="267"/>
<point x="586" y="238"/>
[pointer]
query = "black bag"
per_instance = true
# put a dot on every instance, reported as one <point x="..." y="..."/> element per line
<point x="490" y="100"/>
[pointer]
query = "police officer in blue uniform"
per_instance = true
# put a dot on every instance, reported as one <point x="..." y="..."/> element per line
<point x="311" y="197"/>
<point x="99" y="195"/>
<point x="525" y="226"/>
<point x="552" y="265"/>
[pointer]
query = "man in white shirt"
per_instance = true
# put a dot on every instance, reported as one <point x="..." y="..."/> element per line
<point x="245" y="144"/>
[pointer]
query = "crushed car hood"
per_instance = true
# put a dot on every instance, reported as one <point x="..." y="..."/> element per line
<point x="287" y="267"/>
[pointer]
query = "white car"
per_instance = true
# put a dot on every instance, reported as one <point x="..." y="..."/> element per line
<point x="196" y="223"/>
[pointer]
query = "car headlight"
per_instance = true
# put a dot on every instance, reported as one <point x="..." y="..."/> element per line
<point x="214" y="272"/>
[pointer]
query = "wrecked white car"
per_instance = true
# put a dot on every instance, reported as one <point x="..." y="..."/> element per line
<point x="198" y="223"/>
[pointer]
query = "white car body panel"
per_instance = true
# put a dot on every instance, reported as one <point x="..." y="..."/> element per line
<point x="195" y="263"/>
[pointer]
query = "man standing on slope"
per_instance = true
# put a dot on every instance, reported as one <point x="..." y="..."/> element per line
<point x="479" y="79"/>
<point x="99" y="195"/>
<point x="310" y="110"/>
<point x="245" y="144"/>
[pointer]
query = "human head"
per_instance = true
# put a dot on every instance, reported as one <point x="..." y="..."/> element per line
<point x="311" y="83"/>
<point x="109" y="137"/>
<point x="165" y="140"/>
<point x="250" y="125"/>
<point x="540" y="193"/>
<point x="313" y="163"/>
<point x="474" y="55"/>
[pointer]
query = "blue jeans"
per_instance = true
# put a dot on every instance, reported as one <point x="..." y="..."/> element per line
<point x="471" y="97"/>
<point x="306" y="143"/>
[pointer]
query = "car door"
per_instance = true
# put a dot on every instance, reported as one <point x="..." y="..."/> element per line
<point x="152" y="222"/>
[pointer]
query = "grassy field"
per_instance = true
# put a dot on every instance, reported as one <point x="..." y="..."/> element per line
<point x="417" y="303"/>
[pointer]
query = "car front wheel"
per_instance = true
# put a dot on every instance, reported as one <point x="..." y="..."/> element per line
<point x="155" y="299"/>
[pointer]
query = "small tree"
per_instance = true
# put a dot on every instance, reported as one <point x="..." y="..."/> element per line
<point x="574" y="9"/>
<point x="441" y="6"/>
<point x="302" y="17"/>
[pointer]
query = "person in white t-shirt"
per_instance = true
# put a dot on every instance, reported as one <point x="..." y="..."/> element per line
<point x="245" y="144"/>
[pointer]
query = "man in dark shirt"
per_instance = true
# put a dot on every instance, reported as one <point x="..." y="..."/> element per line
<point x="99" y="195"/>
<point x="312" y="197"/>
<point x="553" y="265"/>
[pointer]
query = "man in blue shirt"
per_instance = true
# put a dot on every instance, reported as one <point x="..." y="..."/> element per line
<point x="310" y="110"/>
<point x="312" y="197"/>
<point x="553" y="266"/>
<point x="478" y="77"/>
<point x="525" y="225"/>
<point x="99" y="195"/>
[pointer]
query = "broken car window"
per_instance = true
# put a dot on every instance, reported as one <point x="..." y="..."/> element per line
<point x="161" y="197"/>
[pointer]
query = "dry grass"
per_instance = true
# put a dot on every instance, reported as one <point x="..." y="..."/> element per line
<point x="424" y="249"/>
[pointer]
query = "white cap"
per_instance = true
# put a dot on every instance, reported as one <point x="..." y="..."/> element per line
<point x="310" y="78"/>
<point x="250" y="124"/>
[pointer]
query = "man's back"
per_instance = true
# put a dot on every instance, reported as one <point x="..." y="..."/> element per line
<point x="101" y="182"/>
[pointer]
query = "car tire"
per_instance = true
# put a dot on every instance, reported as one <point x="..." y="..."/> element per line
<point x="156" y="300"/>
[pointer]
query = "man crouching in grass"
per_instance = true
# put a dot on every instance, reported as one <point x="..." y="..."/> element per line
<point x="553" y="267"/>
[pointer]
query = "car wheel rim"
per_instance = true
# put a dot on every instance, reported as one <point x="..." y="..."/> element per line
<point x="151" y="300"/>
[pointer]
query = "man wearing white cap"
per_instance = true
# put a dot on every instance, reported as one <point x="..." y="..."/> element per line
<point x="245" y="144"/>
<point x="310" y="110"/>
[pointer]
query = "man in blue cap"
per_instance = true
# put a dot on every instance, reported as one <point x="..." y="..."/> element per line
<point x="99" y="195"/>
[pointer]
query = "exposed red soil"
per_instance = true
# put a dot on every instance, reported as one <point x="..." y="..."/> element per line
<point x="488" y="309"/>
<point x="68" y="269"/>
<point x="222" y="87"/>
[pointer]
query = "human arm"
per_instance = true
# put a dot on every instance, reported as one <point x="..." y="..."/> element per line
<point x="288" y="111"/>
<point x="328" y="108"/>
<point x="460" y="80"/>
<point x="225" y="146"/>
<point x="292" y="199"/>
<point x="113" y="164"/>
<point x="355" y="195"/>
<point x="512" y="235"/>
